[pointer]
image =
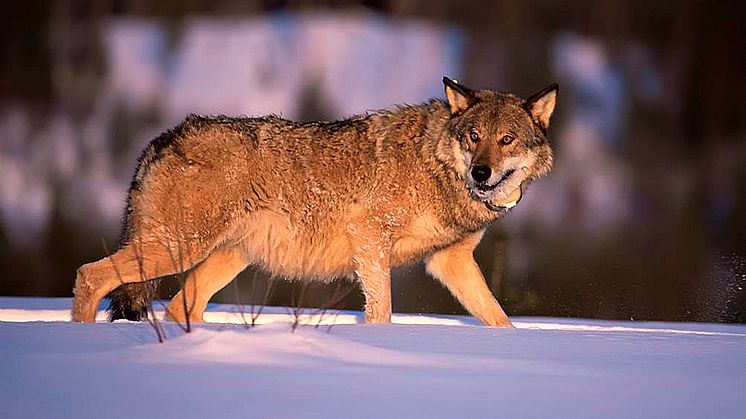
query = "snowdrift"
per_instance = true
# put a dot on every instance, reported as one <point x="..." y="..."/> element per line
<point x="334" y="366"/>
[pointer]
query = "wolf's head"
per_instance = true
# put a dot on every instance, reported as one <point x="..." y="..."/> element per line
<point x="499" y="140"/>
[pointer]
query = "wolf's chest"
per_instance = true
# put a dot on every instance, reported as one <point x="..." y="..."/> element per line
<point x="424" y="235"/>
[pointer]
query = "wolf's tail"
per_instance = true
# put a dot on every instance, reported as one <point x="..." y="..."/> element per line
<point x="131" y="301"/>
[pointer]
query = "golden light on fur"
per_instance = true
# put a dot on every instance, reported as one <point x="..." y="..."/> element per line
<point x="320" y="200"/>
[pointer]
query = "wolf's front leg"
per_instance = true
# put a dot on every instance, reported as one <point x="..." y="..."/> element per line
<point x="456" y="268"/>
<point x="373" y="272"/>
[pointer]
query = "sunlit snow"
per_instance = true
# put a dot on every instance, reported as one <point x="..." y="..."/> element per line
<point x="420" y="366"/>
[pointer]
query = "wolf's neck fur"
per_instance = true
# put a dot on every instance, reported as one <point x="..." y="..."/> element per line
<point x="424" y="130"/>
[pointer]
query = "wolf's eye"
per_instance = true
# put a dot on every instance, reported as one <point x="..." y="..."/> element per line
<point x="474" y="136"/>
<point x="507" y="139"/>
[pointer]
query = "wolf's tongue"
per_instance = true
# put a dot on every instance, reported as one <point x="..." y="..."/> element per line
<point x="511" y="200"/>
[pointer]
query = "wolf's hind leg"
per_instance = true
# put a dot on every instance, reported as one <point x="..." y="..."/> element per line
<point x="455" y="267"/>
<point x="128" y="265"/>
<point x="204" y="281"/>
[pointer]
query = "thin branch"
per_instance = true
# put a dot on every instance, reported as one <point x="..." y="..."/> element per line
<point x="297" y="305"/>
<point x="152" y="320"/>
<point x="267" y="293"/>
<point x="181" y="281"/>
<point x="336" y="297"/>
<point x="182" y="228"/>
<point x="149" y="312"/>
<point x="241" y="308"/>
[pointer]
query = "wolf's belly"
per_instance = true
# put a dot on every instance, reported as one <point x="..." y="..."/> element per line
<point x="271" y="241"/>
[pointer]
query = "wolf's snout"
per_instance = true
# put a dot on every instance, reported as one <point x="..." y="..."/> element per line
<point x="506" y="175"/>
<point x="481" y="173"/>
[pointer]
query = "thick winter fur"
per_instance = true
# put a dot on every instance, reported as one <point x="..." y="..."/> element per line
<point x="325" y="199"/>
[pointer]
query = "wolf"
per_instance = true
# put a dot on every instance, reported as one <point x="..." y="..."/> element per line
<point x="322" y="200"/>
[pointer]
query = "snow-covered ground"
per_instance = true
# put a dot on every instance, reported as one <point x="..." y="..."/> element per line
<point x="421" y="366"/>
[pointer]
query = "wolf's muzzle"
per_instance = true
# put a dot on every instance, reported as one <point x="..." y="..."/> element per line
<point x="478" y="173"/>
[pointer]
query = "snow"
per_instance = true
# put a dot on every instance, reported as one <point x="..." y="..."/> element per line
<point x="421" y="366"/>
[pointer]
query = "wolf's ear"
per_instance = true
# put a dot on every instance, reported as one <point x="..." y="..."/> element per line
<point x="460" y="98"/>
<point x="541" y="105"/>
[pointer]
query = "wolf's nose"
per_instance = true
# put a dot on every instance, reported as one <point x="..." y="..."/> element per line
<point x="480" y="174"/>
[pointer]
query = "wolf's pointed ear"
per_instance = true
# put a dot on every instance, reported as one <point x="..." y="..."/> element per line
<point x="460" y="98"/>
<point x="541" y="105"/>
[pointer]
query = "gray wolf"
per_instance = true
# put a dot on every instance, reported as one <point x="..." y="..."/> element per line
<point x="320" y="200"/>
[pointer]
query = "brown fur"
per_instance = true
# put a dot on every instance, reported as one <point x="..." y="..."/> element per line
<point x="322" y="200"/>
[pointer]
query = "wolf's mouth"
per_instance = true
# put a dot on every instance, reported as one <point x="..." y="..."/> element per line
<point x="502" y="195"/>
<point x="508" y="203"/>
<point x="489" y="188"/>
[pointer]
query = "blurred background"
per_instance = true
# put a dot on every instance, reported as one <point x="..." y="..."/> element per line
<point x="642" y="218"/>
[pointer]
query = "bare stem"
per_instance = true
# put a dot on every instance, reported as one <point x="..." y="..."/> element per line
<point x="150" y="315"/>
<point x="241" y="308"/>
<point x="267" y="293"/>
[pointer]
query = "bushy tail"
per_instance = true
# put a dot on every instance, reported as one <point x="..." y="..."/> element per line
<point x="131" y="301"/>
